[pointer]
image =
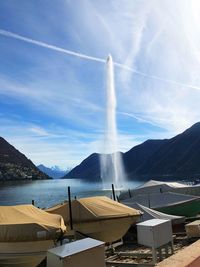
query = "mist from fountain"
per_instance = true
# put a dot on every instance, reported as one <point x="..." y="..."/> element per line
<point x="112" y="170"/>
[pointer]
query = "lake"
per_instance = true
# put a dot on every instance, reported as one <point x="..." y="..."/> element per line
<point x="46" y="193"/>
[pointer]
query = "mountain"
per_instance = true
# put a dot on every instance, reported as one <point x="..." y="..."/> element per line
<point x="88" y="169"/>
<point x="175" y="158"/>
<point x="54" y="172"/>
<point x="137" y="155"/>
<point x="179" y="157"/>
<point x="15" y="166"/>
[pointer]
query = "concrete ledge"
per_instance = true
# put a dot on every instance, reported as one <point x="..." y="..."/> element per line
<point x="187" y="257"/>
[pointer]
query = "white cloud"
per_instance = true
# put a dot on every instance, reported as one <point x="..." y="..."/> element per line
<point x="44" y="96"/>
<point x="158" y="39"/>
<point x="38" y="131"/>
<point x="168" y="52"/>
<point x="51" y="145"/>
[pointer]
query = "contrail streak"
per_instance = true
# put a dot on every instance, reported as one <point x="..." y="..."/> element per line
<point x="72" y="53"/>
<point x="156" y="77"/>
<point x="52" y="47"/>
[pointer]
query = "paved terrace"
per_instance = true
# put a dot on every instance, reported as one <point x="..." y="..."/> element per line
<point x="187" y="257"/>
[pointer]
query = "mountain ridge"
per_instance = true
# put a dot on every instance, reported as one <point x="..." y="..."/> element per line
<point x="54" y="172"/>
<point x="16" y="166"/>
<point x="174" y="158"/>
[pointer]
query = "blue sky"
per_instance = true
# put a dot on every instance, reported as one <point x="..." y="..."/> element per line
<point x="52" y="73"/>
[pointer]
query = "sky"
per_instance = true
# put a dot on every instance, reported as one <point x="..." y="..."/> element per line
<point x="52" y="73"/>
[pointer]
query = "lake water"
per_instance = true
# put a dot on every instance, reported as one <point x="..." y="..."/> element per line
<point x="46" y="193"/>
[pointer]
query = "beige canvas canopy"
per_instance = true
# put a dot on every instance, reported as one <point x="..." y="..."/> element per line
<point x="28" y="223"/>
<point x="93" y="209"/>
<point x="99" y="217"/>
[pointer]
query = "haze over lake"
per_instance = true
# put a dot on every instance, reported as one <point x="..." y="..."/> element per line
<point x="46" y="193"/>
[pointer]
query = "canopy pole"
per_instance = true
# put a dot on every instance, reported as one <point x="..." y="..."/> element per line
<point x="149" y="202"/>
<point x="70" y="208"/>
<point x="113" y="192"/>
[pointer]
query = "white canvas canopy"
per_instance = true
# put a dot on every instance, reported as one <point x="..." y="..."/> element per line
<point x="149" y="214"/>
<point x="168" y="202"/>
<point x="159" y="183"/>
<point x="153" y="186"/>
<point x="155" y="201"/>
<point x="27" y="223"/>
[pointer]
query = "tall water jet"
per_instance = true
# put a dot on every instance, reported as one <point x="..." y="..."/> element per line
<point x="112" y="170"/>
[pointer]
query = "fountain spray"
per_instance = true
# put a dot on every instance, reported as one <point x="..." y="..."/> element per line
<point x="112" y="170"/>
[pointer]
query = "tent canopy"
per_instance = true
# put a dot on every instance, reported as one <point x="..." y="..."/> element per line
<point x="93" y="209"/>
<point x="28" y="223"/>
<point x="153" y="186"/>
<point x="159" y="200"/>
<point x="153" y="214"/>
<point x="157" y="183"/>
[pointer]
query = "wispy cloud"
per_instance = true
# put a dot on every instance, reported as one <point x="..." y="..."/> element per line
<point x="51" y="76"/>
<point x="166" y="91"/>
<point x="50" y="145"/>
<point x="154" y="77"/>
<point x="124" y="66"/>
<point x="51" y="102"/>
<point x="39" y="131"/>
